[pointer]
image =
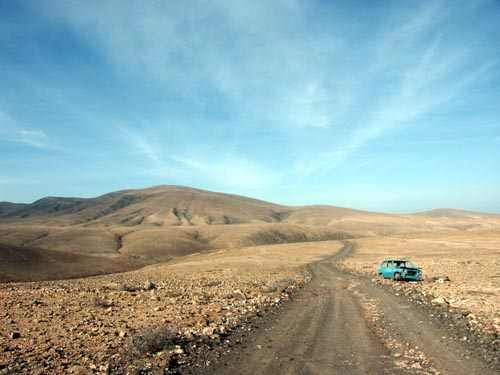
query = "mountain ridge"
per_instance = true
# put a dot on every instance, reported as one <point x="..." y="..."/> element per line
<point x="182" y="205"/>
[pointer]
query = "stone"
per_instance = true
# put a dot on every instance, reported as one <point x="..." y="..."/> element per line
<point x="178" y="350"/>
<point x="269" y="289"/>
<point x="149" y="285"/>
<point x="439" y="301"/>
<point x="14" y="335"/>
<point x="238" y="294"/>
<point x="78" y="370"/>
<point x="207" y="331"/>
<point x="441" y="279"/>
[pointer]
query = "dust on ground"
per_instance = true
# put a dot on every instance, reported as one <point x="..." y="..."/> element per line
<point x="95" y="325"/>
<point x="461" y="270"/>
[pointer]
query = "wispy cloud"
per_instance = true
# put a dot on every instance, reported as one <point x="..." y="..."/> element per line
<point x="250" y="94"/>
<point x="416" y="78"/>
<point x="10" y="131"/>
<point x="352" y="89"/>
<point x="140" y="144"/>
<point x="306" y="106"/>
<point x="228" y="170"/>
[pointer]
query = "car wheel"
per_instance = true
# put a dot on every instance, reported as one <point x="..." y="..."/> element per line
<point x="397" y="276"/>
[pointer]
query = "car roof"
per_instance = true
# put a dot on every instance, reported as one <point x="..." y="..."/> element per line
<point x="395" y="260"/>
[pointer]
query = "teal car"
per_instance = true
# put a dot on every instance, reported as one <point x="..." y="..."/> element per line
<point x="398" y="269"/>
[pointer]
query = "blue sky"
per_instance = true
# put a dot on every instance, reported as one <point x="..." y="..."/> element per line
<point x="389" y="106"/>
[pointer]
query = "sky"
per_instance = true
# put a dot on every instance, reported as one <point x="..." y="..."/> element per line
<point x="388" y="106"/>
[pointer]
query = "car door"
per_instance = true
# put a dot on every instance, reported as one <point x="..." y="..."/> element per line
<point x="390" y="269"/>
<point x="386" y="269"/>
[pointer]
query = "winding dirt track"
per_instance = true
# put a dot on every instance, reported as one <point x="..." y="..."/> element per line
<point x="325" y="330"/>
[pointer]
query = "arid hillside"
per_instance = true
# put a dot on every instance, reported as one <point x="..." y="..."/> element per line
<point x="165" y="206"/>
<point x="158" y="206"/>
<point x="179" y="270"/>
<point x="174" y="206"/>
<point x="126" y="229"/>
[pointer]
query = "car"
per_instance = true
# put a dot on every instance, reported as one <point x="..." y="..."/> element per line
<point x="399" y="269"/>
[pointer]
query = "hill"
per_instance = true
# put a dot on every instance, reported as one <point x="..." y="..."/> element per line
<point x="119" y="230"/>
<point x="160" y="205"/>
<point x="452" y="212"/>
<point x="168" y="206"/>
<point x="7" y="208"/>
<point x="31" y="264"/>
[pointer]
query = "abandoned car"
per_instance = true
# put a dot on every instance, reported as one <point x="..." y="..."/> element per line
<point x="398" y="269"/>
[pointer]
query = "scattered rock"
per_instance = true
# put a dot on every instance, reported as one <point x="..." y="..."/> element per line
<point x="80" y="326"/>
<point x="178" y="350"/>
<point x="269" y="289"/>
<point x="78" y="370"/>
<point x="440" y="279"/>
<point x="112" y="286"/>
<point x="238" y="294"/>
<point x="149" y="285"/>
<point x="439" y="301"/>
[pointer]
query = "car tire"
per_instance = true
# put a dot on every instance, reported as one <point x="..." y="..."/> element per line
<point x="397" y="276"/>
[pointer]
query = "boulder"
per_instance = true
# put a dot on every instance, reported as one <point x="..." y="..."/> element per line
<point x="439" y="301"/>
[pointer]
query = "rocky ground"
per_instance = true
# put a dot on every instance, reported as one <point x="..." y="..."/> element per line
<point x="462" y="271"/>
<point x="461" y="286"/>
<point x="148" y="320"/>
<point x="347" y="324"/>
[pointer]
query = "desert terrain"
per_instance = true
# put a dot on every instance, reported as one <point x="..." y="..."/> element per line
<point x="461" y="269"/>
<point x="179" y="280"/>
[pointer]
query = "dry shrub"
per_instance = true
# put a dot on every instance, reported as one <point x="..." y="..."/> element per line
<point x="129" y="288"/>
<point x="101" y="302"/>
<point x="152" y="340"/>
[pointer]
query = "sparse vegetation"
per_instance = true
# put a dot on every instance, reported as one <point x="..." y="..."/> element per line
<point x="101" y="302"/>
<point x="201" y="296"/>
<point x="232" y="271"/>
<point x="152" y="340"/>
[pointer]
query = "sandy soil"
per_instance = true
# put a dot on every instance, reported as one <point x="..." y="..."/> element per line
<point x="471" y="261"/>
<point x="87" y="325"/>
<point x="343" y="324"/>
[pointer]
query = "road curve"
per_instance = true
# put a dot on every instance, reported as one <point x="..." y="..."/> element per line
<point x="325" y="330"/>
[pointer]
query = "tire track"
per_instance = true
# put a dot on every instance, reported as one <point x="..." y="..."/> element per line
<point x="325" y="330"/>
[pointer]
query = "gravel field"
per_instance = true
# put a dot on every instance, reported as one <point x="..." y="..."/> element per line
<point x="115" y="322"/>
<point x="461" y="270"/>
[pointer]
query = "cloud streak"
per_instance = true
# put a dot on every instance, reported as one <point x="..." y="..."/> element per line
<point x="226" y="169"/>
<point x="247" y="95"/>
<point x="10" y="131"/>
<point x="413" y="86"/>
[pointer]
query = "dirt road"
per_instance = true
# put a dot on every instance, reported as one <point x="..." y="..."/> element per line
<point x="340" y="324"/>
